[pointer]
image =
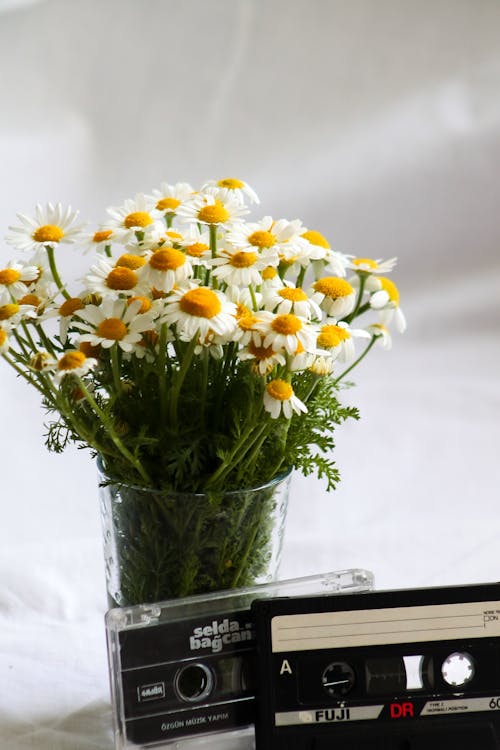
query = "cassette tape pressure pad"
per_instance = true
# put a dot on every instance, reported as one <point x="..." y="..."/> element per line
<point x="183" y="670"/>
<point x="389" y="670"/>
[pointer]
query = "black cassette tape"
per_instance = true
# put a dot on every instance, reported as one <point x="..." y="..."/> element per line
<point x="182" y="671"/>
<point x="389" y="670"/>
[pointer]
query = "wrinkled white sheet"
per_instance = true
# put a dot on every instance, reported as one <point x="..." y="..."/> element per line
<point x="376" y="123"/>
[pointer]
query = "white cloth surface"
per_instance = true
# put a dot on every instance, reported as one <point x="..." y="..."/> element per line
<point x="377" y="124"/>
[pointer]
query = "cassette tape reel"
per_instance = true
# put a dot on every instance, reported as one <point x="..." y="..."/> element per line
<point x="400" y="670"/>
<point x="183" y="670"/>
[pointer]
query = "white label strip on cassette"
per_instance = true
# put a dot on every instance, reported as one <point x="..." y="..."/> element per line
<point x="374" y="627"/>
<point x="461" y="706"/>
<point x="329" y="715"/>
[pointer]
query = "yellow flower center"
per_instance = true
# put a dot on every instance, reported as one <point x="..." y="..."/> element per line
<point x="331" y="336"/>
<point x="3" y="337"/>
<point x="137" y="219"/>
<point x="48" y="233"/>
<point x="30" y="299"/>
<point x="176" y="236"/>
<point x="231" y="183"/>
<point x="167" y="260"/>
<point x="279" y="389"/>
<point x="130" y="260"/>
<point x="121" y="278"/>
<point x="197" y="249"/>
<point x="158" y="293"/>
<point x="112" y="328"/>
<point x="369" y="262"/>
<point x="243" y="260"/>
<point x="379" y="328"/>
<point x="261" y="238"/>
<point x="9" y="276"/>
<point x="145" y="303"/>
<point x="260" y="352"/>
<point x="102" y="235"/>
<point x="391" y="289"/>
<point x="242" y="311"/>
<point x="247" y="322"/>
<point x="71" y="360"/>
<point x="332" y="286"/>
<point x="286" y="324"/>
<point x="269" y="273"/>
<point x="70" y="306"/>
<point x="292" y="294"/>
<point x="315" y="238"/>
<point x="200" y="302"/>
<point x="40" y="360"/>
<point x="213" y="213"/>
<point x="8" y="311"/>
<point x="168" y="204"/>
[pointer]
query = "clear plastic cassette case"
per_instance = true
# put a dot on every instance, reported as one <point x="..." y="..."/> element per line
<point x="182" y="671"/>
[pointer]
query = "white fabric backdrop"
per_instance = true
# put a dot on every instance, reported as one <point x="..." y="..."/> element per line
<point x="376" y="123"/>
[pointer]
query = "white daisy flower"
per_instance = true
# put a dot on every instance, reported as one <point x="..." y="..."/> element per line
<point x="196" y="245"/>
<point x="12" y="313"/>
<point x="66" y="314"/>
<point x="198" y="311"/>
<point x="337" y="339"/>
<point x="239" y="267"/>
<point x="369" y="265"/>
<point x="334" y="295"/>
<point x="106" y="279"/>
<point x="385" y="298"/>
<point x="4" y="341"/>
<point x="247" y="325"/>
<point x="382" y="333"/>
<point x="73" y="362"/>
<point x="213" y="343"/>
<point x="286" y="332"/>
<point x="319" y="244"/>
<point x="134" y="220"/>
<point x="169" y="197"/>
<point x="98" y="241"/>
<point x="264" y="358"/>
<point x="281" y="237"/>
<point x="301" y="359"/>
<point x="113" y="322"/>
<point x="234" y="187"/>
<point x="279" y="397"/>
<point x="165" y="268"/>
<point x="212" y="208"/>
<point x="16" y="277"/>
<point x="292" y="299"/>
<point x="51" y="226"/>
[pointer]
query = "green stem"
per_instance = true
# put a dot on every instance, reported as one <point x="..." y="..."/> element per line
<point x="250" y="436"/>
<point x="115" y="367"/>
<point x="55" y="273"/>
<point x="356" y="311"/>
<point x="300" y="277"/>
<point x="169" y="217"/>
<point x="23" y="374"/>
<point x="112" y="434"/>
<point x="356" y="361"/>
<point x="254" y="298"/>
<point x="213" y="239"/>
<point x="176" y="388"/>
<point x="162" y="359"/>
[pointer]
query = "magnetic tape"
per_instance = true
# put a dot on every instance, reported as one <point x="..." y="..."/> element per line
<point x="388" y="670"/>
<point x="183" y="670"/>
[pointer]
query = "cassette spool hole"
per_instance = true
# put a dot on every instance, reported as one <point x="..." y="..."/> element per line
<point x="338" y="679"/>
<point x="193" y="682"/>
<point x="458" y="669"/>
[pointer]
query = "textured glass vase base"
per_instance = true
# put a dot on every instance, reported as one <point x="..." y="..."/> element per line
<point x="167" y="545"/>
<point x="182" y="670"/>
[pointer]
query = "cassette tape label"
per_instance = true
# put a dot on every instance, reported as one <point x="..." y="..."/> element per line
<point x="385" y="626"/>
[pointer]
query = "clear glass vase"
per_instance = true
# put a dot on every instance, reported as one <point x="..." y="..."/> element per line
<point x="166" y="545"/>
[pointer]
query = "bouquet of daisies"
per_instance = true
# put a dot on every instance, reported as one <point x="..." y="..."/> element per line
<point x="201" y="350"/>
